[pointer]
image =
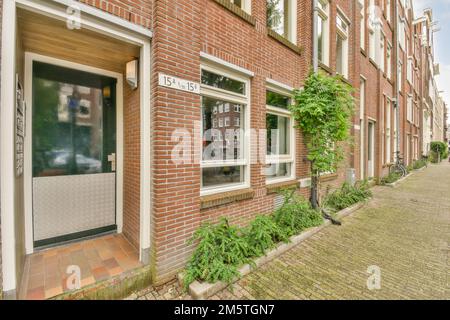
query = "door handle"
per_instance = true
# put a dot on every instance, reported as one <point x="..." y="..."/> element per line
<point x="112" y="159"/>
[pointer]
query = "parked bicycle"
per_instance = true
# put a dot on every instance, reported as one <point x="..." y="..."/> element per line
<point x="399" y="166"/>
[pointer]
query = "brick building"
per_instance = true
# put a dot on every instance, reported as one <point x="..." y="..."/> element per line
<point x="210" y="74"/>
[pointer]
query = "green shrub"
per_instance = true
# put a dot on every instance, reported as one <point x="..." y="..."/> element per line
<point x="438" y="148"/>
<point x="297" y="215"/>
<point x="347" y="195"/>
<point x="221" y="250"/>
<point x="419" y="164"/>
<point x="409" y="168"/>
<point x="391" y="178"/>
<point x="264" y="233"/>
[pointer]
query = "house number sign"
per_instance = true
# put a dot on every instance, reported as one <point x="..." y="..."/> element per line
<point x="178" y="84"/>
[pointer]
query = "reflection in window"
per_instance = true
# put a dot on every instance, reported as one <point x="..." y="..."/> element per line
<point x="277" y="16"/>
<point x="67" y="129"/>
<point x="277" y="100"/>
<point x="277" y="134"/>
<point x="278" y="170"/>
<point x="222" y="82"/>
<point x="218" y="176"/>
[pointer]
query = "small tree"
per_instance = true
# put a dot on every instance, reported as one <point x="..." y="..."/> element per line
<point x="323" y="110"/>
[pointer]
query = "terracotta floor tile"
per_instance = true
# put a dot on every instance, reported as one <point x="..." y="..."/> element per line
<point x="50" y="293"/>
<point x="36" y="281"/>
<point x="100" y="273"/>
<point x="36" y="294"/>
<point x="110" y="263"/>
<point x="87" y="281"/>
<point x="115" y="271"/>
<point x="105" y="254"/>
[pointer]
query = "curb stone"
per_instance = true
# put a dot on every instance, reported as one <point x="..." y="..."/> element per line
<point x="203" y="290"/>
<point x="394" y="184"/>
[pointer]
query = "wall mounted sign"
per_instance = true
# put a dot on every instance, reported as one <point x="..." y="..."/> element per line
<point x="20" y="127"/>
<point x="179" y="84"/>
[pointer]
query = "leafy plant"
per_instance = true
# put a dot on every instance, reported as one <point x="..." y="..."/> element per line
<point x="419" y="164"/>
<point x="264" y="233"/>
<point x="390" y="178"/>
<point x="221" y="250"/>
<point x="347" y="195"/>
<point x="439" y="151"/>
<point x="323" y="110"/>
<point x="296" y="215"/>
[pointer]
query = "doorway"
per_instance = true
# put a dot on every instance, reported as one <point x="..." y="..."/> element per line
<point x="74" y="146"/>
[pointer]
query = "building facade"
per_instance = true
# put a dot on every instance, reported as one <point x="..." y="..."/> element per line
<point x="144" y="119"/>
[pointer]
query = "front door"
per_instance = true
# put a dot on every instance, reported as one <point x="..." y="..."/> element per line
<point x="73" y="154"/>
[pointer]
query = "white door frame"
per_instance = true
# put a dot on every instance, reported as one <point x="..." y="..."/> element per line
<point x="98" y="21"/>
<point x="28" y="168"/>
<point x="371" y="146"/>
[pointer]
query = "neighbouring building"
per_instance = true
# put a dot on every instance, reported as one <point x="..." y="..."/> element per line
<point x="127" y="124"/>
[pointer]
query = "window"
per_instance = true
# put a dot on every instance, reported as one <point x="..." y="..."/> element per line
<point x="362" y="16"/>
<point x="280" y="138"/>
<point x="395" y="132"/>
<point x="410" y="69"/>
<point x="323" y="32"/>
<point x="342" y="46"/>
<point x="372" y="45"/>
<point x="362" y="97"/>
<point x="282" y="18"/>
<point x="402" y="34"/>
<point x="388" y="131"/>
<point x="399" y="76"/>
<point x="389" y="61"/>
<point x="224" y="164"/>
<point x="409" y="109"/>
<point x="243" y="4"/>
<point x="388" y="10"/>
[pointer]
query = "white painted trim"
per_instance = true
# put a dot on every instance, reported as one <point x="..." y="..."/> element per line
<point x="110" y="26"/>
<point x="280" y="87"/>
<point x="210" y="58"/>
<point x="28" y="175"/>
<point x="7" y="143"/>
<point x="146" y="157"/>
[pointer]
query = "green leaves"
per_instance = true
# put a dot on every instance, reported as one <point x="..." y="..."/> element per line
<point x="347" y="195"/>
<point x="323" y="110"/>
<point x="222" y="248"/>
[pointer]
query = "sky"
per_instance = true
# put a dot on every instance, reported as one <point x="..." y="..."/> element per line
<point x="441" y="13"/>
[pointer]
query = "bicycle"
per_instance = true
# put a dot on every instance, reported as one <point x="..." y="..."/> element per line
<point x="398" y="167"/>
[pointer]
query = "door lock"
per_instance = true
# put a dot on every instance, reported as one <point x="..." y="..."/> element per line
<point x="112" y="159"/>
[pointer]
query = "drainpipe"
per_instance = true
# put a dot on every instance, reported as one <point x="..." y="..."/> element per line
<point x="315" y="55"/>
<point x="397" y="84"/>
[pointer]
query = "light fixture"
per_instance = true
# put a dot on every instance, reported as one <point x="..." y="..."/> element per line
<point x="132" y="73"/>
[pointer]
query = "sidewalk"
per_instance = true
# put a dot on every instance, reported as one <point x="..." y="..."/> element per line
<point x="404" y="231"/>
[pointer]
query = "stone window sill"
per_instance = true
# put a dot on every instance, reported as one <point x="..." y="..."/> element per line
<point x="237" y="11"/>
<point x="219" y="199"/>
<point x="276" y="187"/>
<point x="284" y="41"/>
<point x="325" y="68"/>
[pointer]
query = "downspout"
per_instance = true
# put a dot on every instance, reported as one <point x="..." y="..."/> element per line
<point x="315" y="55"/>
<point x="397" y="85"/>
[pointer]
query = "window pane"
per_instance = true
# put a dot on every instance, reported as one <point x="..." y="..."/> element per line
<point x="222" y="82"/>
<point x="277" y="134"/>
<point x="339" y="55"/>
<point x="278" y="170"/>
<point x="320" y="38"/>
<point x="238" y="3"/>
<point x="222" y="143"/>
<point x="277" y="100"/>
<point x="277" y="16"/>
<point x="216" y="177"/>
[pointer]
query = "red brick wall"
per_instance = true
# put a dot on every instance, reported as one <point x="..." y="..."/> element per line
<point x="182" y="30"/>
<point x="131" y="174"/>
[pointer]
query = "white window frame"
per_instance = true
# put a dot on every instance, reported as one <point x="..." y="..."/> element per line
<point x="324" y="15"/>
<point x="389" y="61"/>
<point x="246" y="5"/>
<point x="410" y="69"/>
<point x="372" y="45"/>
<point x="409" y="109"/>
<point x="344" y="34"/>
<point x="362" y="30"/>
<point x="291" y="32"/>
<point x="382" y="47"/>
<point x="244" y="99"/>
<point x="388" y="10"/>
<point x="400" y="75"/>
<point x="290" y="158"/>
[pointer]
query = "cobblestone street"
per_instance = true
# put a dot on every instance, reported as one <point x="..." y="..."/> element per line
<point x="405" y="231"/>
